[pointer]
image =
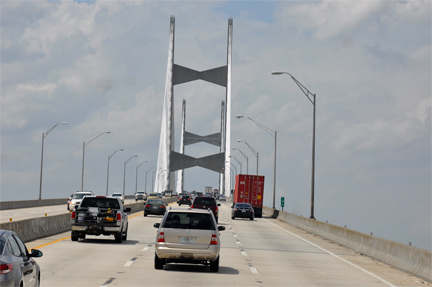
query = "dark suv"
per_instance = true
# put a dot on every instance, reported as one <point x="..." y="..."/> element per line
<point x="202" y="202"/>
<point x="184" y="199"/>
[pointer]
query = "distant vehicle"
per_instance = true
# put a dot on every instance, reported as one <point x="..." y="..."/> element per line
<point x="208" y="195"/>
<point x="140" y="195"/>
<point x="77" y="197"/>
<point x="243" y="210"/>
<point x="153" y="195"/>
<point x="168" y="193"/>
<point x="17" y="266"/>
<point x="250" y="189"/>
<point x="202" y="202"/>
<point x="155" y="206"/>
<point x="119" y="195"/>
<point x="199" y="193"/>
<point x="69" y="201"/>
<point x="160" y="194"/>
<point x="184" y="199"/>
<point x="188" y="236"/>
<point x="222" y="197"/>
<point x="208" y="189"/>
<point x="100" y="215"/>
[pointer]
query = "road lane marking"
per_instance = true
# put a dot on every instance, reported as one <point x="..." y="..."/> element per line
<point x="244" y="253"/>
<point x="129" y="263"/>
<point x="253" y="270"/>
<point x="49" y="243"/>
<point x="146" y="248"/>
<point x="334" y="255"/>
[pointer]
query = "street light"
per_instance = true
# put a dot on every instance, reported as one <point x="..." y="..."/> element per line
<point x="312" y="98"/>
<point x="247" y="159"/>
<point x="153" y="175"/>
<point x="109" y="157"/>
<point x="145" y="188"/>
<point x="252" y="150"/>
<point x="84" y="145"/>
<point x="273" y="134"/>
<point x="136" y="176"/>
<point x="44" y="135"/>
<point x="124" y="174"/>
<point x="240" y="164"/>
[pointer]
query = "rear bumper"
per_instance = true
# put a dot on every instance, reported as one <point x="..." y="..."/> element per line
<point x="93" y="229"/>
<point x="243" y="214"/>
<point x="187" y="255"/>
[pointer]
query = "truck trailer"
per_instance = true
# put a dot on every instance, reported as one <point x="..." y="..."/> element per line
<point x="250" y="189"/>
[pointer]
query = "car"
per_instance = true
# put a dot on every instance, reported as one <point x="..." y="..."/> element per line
<point x="17" y="266"/>
<point x="208" y="194"/>
<point x="160" y="195"/>
<point x="199" y="193"/>
<point x="188" y="236"/>
<point x="77" y="197"/>
<point x="153" y="195"/>
<point x="119" y="195"/>
<point x="243" y="210"/>
<point x="140" y="195"/>
<point x="184" y="199"/>
<point x="69" y="201"/>
<point x="222" y="197"/>
<point x="155" y="206"/>
<point x="202" y="202"/>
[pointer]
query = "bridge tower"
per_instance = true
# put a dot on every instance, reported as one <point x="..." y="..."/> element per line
<point x="169" y="160"/>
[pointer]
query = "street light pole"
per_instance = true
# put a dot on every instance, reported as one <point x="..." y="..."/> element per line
<point x="247" y="160"/>
<point x="124" y="174"/>
<point x="153" y="179"/>
<point x="109" y="157"/>
<point x="84" y="144"/>
<point x="240" y="164"/>
<point x="312" y="98"/>
<point x="145" y="188"/>
<point x="273" y="134"/>
<point x="252" y="150"/>
<point x="136" y="176"/>
<point x="44" y="135"/>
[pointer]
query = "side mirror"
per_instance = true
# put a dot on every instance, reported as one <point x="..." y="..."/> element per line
<point x="127" y="209"/>
<point x="36" y="253"/>
<point x="219" y="204"/>
<point x="156" y="225"/>
<point x="221" y="228"/>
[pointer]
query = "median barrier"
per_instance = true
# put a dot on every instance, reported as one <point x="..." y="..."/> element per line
<point x="5" y="205"/>
<point x="404" y="257"/>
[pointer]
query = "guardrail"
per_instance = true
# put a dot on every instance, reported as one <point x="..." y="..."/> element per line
<point x="401" y="256"/>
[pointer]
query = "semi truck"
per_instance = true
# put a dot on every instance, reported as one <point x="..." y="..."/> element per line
<point x="250" y="189"/>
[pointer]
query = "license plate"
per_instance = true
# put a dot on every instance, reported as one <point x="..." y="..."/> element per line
<point x="243" y="210"/>
<point x="187" y="239"/>
<point x="154" y="207"/>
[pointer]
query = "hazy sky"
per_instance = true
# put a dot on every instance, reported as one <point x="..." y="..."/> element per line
<point x="101" y="66"/>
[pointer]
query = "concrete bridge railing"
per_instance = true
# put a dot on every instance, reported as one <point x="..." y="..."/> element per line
<point x="401" y="256"/>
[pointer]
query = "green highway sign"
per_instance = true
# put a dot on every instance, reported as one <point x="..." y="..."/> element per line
<point x="282" y="201"/>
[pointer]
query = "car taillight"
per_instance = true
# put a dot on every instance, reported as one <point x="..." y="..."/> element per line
<point x="147" y="205"/>
<point x="192" y="206"/>
<point x="235" y="209"/>
<point x="214" y="240"/>
<point x="118" y="216"/>
<point x="216" y="209"/>
<point x="162" y="206"/>
<point x="161" y="237"/>
<point x="73" y="215"/>
<point x="6" y="268"/>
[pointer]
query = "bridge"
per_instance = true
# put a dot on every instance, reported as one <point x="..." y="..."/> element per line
<point x="267" y="251"/>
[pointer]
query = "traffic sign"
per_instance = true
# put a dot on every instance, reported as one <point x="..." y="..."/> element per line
<point x="282" y="201"/>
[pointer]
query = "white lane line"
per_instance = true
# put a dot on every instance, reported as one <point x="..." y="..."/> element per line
<point x="129" y="263"/>
<point x="334" y="255"/>
<point x="235" y="235"/>
<point x="146" y="248"/>
<point x="244" y="253"/>
<point x="253" y="270"/>
<point x="238" y="242"/>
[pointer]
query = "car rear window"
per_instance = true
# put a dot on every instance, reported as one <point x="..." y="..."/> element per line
<point x="207" y="201"/>
<point x="188" y="220"/>
<point x="155" y="201"/>
<point x="100" y="202"/>
<point x="242" y="205"/>
<point x="79" y="196"/>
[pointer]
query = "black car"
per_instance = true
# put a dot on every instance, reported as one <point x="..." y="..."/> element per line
<point x="243" y="210"/>
<point x="155" y="206"/>
<point x="184" y="199"/>
<point x="17" y="266"/>
<point x="203" y="202"/>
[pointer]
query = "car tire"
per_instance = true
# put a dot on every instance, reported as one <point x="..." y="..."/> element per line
<point x="251" y="218"/>
<point x="74" y="236"/>
<point x="179" y="204"/>
<point x="118" y="237"/>
<point x="158" y="263"/>
<point x="124" y="236"/>
<point x="217" y="219"/>
<point x="214" y="265"/>
<point x="232" y="217"/>
<point x="145" y="214"/>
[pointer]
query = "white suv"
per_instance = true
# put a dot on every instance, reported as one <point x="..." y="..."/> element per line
<point x="77" y="197"/>
<point x="188" y="236"/>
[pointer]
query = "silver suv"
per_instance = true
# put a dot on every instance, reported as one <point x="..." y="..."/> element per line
<point x="188" y="236"/>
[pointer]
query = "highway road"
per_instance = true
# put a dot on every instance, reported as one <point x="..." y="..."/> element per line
<point x="263" y="252"/>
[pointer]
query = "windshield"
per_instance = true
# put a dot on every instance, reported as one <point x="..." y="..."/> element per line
<point x="207" y="201"/>
<point x="155" y="202"/>
<point x="80" y="196"/>
<point x="187" y="220"/>
<point x="116" y="194"/>
<point x="101" y="202"/>
<point x="140" y="192"/>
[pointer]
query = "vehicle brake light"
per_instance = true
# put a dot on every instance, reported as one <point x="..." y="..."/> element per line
<point x="73" y="215"/>
<point x="161" y="237"/>
<point x="162" y="206"/>
<point x="118" y="216"/>
<point x="101" y="196"/>
<point x="235" y="209"/>
<point x="216" y="209"/>
<point x="214" y="240"/>
<point x="147" y="205"/>
<point x="6" y="268"/>
<point x="192" y="206"/>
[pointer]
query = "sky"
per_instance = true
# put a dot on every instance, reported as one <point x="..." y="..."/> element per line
<point x="101" y="66"/>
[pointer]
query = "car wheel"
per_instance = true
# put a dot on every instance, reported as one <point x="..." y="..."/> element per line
<point x="217" y="219"/>
<point x="251" y="218"/>
<point x="232" y="217"/>
<point x="118" y="237"/>
<point x="74" y="236"/>
<point x="179" y="204"/>
<point x="214" y="265"/>
<point x="145" y="214"/>
<point x="124" y="237"/>
<point x="158" y="263"/>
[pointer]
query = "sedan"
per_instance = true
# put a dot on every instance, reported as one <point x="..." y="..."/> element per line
<point x="17" y="266"/>
<point x="184" y="199"/>
<point x="155" y="206"/>
<point x="243" y="210"/>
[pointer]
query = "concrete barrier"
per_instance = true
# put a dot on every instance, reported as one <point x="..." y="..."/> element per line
<point x="404" y="257"/>
<point x="5" y="205"/>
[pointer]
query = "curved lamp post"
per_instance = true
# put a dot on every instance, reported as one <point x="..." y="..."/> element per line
<point x="252" y="150"/>
<point x="109" y="157"/>
<point x="240" y="164"/>
<point x="44" y="135"/>
<point x="273" y="134"/>
<point x="124" y="174"/>
<point x="84" y="145"/>
<point x="145" y="188"/>
<point x="312" y="98"/>
<point x="136" y="176"/>
<point x="247" y="159"/>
